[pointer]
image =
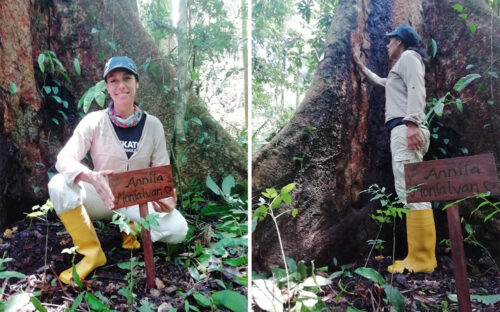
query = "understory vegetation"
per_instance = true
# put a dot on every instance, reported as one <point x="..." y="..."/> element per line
<point x="207" y="271"/>
<point x="365" y="285"/>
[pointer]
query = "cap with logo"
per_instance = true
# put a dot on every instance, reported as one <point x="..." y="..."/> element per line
<point x="124" y="62"/>
<point x="407" y="34"/>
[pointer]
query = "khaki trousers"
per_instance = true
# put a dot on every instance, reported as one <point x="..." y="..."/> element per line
<point x="402" y="155"/>
<point x="172" y="226"/>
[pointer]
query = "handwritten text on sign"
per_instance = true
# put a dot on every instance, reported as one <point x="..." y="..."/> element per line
<point x="141" y="186"/>
<point x="452" y="178"/>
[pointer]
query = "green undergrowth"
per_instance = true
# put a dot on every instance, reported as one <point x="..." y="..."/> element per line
<point x="213" y="255"/>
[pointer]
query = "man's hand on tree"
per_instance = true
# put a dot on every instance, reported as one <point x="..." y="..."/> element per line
<point x="414" y="137"/>
<point x="99" y="180"/>
<point x="165" y="204"/>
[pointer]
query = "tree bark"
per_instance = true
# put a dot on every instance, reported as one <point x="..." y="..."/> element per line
<point x="89" y="31"/>
<point x="348" y="149"/>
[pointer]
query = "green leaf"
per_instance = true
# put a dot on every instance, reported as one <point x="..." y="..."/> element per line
<point x="9" y="274"/>
<point x="236" y="262"/>
<point x="100" y="98"/>
<point x="463" y="15"/>
<point x="232" y="300"/>
<point x="194" y="273"/>
<point x="491" y="102"/>
<point x="13" y="88"/>
<point x="458" y="7"/>
<point x="439" y="106"/>
<point x="37" y="304"/>
<point x="351" y="309"/>
<point x="65" y="104"/>
<point x="47" y="89"/>
<point x="465" y="81"/>
<point x="76" y="64"/>
<point x="94" y="30"/>
<point x="486" y="299"/>
<point x="213" y="186"/>
<point x="65" y="75"/>
<point x="41" y="61"/>
<point x="94" y="303"/>
<point x="230" y="242"/>
<point x="395" y="298"/>
<point x="370" y="274"/>
<point x="55" y="90"/>
<point x="127" y="265"/>
<point x="55" y="121"/>
<point x="460" y="107"/>
<point x="89" y="97"/>
<point x="493" y="74"/>
<point x="469" y="66"/>
<point x="287" y="188"/>
<point x="77" y="302"/>
<point x="76" y="277"/>
<point x="287" y="198"/>
<point x="58" y="99"/>
<point x="183" y="158"/>
<point x="434" y="47"/>
<point x="197" y="120"/>
<point x="227" y="184"/>
<point x="202" y="300"/>
<point x="472" y="28"/>
<point x="36" y="189"/>
<point x="446" y="141"/>
<point x="112" y="45"/>
<point x="295" y="212"/>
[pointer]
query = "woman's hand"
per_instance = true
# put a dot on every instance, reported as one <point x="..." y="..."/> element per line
<point x="414" y="137"/>
<point x="357" y="61"/>
<point x="99" y="180"/>
<point x="165" y="204"/>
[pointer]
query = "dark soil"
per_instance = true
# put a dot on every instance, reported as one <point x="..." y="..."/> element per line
<point x="35" y="247"/>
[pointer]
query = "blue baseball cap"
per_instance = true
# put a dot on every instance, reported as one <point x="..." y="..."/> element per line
<point x="407" y="34"/>
<point x="124" y="62"/>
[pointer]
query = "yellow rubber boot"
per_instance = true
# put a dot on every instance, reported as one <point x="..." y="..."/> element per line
<point x="79" y="226"/>
<point x="130" y="241"/>
<point x="421" y="236"/>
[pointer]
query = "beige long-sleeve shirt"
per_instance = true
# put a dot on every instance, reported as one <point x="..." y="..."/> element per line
<point x="404" y="88"/>
<point x="95" y="132"/>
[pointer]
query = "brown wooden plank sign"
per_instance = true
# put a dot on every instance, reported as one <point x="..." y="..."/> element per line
<point x="450" y="179"/>
<point x="140" y="187"/>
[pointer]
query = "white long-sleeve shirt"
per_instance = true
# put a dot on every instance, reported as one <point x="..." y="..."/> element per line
<point x="404" y="88"/>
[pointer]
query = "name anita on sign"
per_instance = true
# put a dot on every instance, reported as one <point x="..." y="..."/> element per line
<point x="452" y="178"/>
<point x="141" y="186"/>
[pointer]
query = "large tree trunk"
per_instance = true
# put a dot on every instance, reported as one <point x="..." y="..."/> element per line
<point x="90" y="31"/>
<point x="348" y="150"/>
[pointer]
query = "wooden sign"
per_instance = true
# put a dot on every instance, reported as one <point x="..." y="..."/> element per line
<point x="452" y="178"/>
<point x="141" y="186"/>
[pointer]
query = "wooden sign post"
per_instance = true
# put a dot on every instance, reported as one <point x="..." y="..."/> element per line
<point x="140" y="187"/>
<point x="451" y="179"/>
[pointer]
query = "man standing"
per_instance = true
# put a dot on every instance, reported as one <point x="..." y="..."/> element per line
<point x="404" y="117"/>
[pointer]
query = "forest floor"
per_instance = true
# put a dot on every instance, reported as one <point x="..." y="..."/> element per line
<point x="35" y="245"/>
<point x="436" y="291"/>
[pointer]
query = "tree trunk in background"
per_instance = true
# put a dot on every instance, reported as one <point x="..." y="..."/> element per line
<point x="29" y="137"/>
<point x="183" y="71"/>
<point x="348" y="150"/>
<point x="246" y="61"/>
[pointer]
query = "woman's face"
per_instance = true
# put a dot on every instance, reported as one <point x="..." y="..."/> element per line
<point x="394" y="48"/>
<point x="121" y="86"/>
